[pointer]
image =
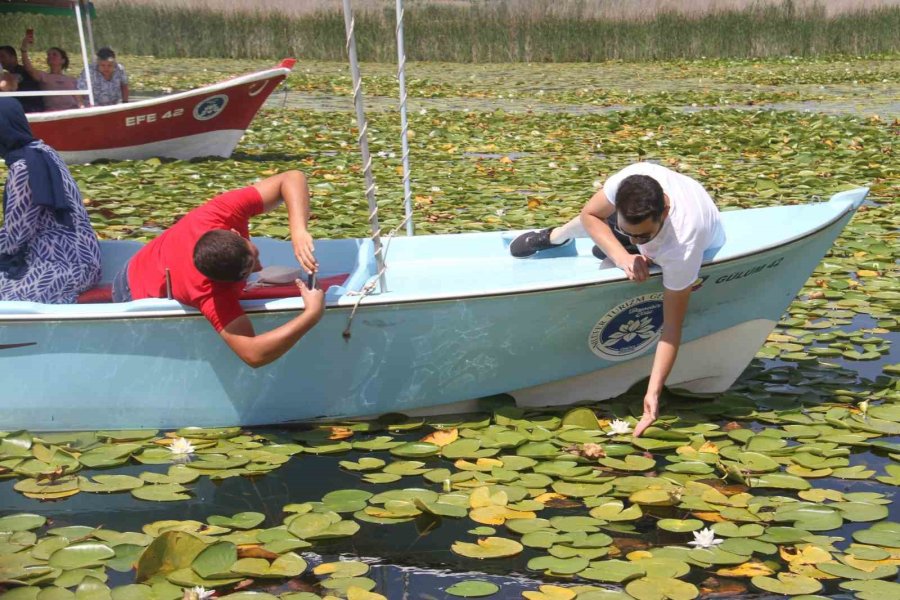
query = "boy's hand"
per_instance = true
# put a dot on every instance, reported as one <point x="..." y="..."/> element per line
<point x="304" y="251"/>
<point x="313" y="300"/>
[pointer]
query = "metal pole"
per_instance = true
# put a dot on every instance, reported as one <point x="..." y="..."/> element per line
<point x="87" y="65"/>
<point x="90" y="26"/>
<point x="404" y="125"/>
<point x="364" y="144"/>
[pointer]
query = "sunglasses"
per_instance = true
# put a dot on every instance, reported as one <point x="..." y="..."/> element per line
<point x="641" y="238"/>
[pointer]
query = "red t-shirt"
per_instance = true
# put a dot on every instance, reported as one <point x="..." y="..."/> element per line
<point x="174" y="248"/>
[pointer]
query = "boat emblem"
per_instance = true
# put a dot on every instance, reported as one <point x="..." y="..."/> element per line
<point x="629" y="328"/>
<point x="209" y="108"/>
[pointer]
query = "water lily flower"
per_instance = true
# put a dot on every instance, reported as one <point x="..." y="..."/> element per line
<point x="197" y="593"/>
<point x="864" y="407"/>
<point x="619" y="427"/>
<point x="705" y="538"/>
<point x="181" y="447"/>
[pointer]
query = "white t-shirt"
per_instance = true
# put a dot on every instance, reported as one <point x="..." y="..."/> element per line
<point x="692" y="226"/>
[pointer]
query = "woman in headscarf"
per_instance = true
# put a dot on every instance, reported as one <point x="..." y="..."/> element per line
<point x="48" y="250"/>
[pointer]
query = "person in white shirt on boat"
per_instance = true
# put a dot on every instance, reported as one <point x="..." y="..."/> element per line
<point x="667" y="219"/>
<point x="108" y="79"/>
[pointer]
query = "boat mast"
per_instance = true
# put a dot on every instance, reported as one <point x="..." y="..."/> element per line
<point x="364" y="145"/>
<point x="404" y="125"/>
<point x="84" y="56"/>
<point x="90" y="27"/>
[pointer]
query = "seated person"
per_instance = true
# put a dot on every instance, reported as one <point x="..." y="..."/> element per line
<point x="48" y="251"/>
<point x="672" y="221"/>
<point x="9" y="60"/>
<point x="108" y="79"/>
<point x="53" y="80"/>
<point x="204" y="260"/>
<point x="8" y="81"/>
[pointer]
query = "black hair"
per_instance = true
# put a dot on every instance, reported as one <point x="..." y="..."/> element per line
<point x="639" y="198"/>
<point x="106" y="53"/>
<point x="62" y="53"/>
<point x="222" y="255"/>
<point x="10" y="50"/>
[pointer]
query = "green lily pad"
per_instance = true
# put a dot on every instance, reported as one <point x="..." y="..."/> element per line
<point x="343" y="568"/>
<point x="243" y="520"/>
<point x="21" y="522"/>
<point x="366" y="463"/>
<point x="341" y="585"/>
<point x="346" y="500"/>
<point x="473" y="588"/>
<point x="872" y="589"/>
<point x="680" y="525"/>
<point x="558" y="566"/>
<point x="583" y="418"/>
<point x="614" y="511"/>
<point x="76" y="556"/>
<point x="727" y="529"/>
<point x="108" y="484"/>
<point x="171" y="551"/>
<point x="215" y="559"/>
<point x="788" y="584"/>
<point x="661" y="588"/>
<point x="491" y="547"/>
<point x="163" y="492"/>
<point x="416" y="450"/>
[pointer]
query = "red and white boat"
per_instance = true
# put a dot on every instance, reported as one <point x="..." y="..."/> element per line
<point x="207" y="121"/>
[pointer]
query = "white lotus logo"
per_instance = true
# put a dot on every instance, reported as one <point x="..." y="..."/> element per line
<point x="642" y="328"/>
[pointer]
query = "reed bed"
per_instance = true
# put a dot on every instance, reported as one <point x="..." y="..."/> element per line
<point x="499" y="31"/>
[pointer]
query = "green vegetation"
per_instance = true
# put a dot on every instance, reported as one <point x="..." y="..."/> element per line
<point x="495" y="32"/>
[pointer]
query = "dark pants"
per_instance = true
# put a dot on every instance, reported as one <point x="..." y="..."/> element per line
<point x="121" y="292"/>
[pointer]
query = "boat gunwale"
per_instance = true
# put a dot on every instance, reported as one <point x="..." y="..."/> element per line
<point x="375" y="300"/>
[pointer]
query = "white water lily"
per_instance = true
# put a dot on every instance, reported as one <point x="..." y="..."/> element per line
<point x="705" y="538"/>
<point x="181" y="447"/>
<point x="619" y="427"/>
<point x="197" y="593"/>
<point x="864" y="407"/>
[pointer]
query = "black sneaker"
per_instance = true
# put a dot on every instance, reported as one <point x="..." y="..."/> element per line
<point x="531" y="242"/>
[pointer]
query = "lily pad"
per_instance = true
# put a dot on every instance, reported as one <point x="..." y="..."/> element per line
<point x="491" y="547"/>
<point x="473" y="588"/>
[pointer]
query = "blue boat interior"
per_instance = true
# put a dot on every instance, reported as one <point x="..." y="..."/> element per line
<point x="431" y="267"/>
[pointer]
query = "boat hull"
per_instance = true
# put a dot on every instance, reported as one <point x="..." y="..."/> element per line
<point x="208" y="121"/>
<point x="554" y="345"/>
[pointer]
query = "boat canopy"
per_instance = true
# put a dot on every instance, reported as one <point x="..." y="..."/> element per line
<point x="46" y="7"/>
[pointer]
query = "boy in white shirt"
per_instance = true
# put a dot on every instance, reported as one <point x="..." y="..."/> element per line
<point x="672" y="221"/>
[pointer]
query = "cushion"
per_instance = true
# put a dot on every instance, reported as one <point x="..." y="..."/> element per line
<point x="103" y="292"/>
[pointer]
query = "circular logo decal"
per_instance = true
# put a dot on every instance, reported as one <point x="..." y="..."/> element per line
<point x="629" y="328"/>
<point x="209" y="108"/>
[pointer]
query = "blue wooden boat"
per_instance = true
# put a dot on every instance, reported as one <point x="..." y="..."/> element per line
<point x="460" y="319"/>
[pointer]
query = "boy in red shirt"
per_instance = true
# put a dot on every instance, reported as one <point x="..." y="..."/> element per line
<point x="209" y="256"/>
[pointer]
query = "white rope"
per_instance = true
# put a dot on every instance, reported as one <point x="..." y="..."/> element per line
<point x="362" y="123"/>
<point x="371" y="284"/>
<point x="404" y="124"/>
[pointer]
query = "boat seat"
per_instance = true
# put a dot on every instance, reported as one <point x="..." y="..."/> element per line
<point x="103" y="292"/>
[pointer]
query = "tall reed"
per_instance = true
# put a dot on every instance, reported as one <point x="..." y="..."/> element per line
<point x="478" y="32"/>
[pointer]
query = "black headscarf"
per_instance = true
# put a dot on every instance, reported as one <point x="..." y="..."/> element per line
<point x="47" y="188"/>
<point x="44" y="176"/>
